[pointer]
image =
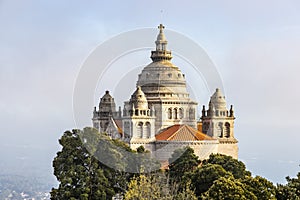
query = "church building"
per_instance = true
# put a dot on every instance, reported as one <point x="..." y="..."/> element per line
<point x="162" y="117"/>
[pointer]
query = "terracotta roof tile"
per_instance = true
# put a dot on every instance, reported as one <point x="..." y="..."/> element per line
<point x="199" y="126"/>
<point x="167" y="133"/>
<point x="182" y="133"/>
<point x="118" y="122"/>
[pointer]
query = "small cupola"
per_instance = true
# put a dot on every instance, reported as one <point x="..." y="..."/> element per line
<point x="138" y="100"/>
<point x="218" y="100"/>
<point x="107" y="103"/>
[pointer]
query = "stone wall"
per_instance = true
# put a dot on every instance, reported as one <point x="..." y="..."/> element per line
<point x="228" y="147"/>
<point x="165" y="149"/>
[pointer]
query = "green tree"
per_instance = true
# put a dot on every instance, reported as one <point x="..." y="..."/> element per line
<point x="289" y="191"/>
<point x="114" y="155"/>
<point x="260" y="187"/>
<point x="204" y="176"/>
<point x="110" y="155"/>
<point x="186" y="193"/>
<point x="182" y="161"/>
<point x="228" y="188"/>
<point x="145" y="162"/>
<point x="141" y="149"/>
<point x="145" y="187"/>
<point x="236" y="167"/>
<point x="79" y="174"/>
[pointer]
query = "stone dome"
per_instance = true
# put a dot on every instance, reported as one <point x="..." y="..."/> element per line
<point x="218" y="100"/>
<point x="162" y="78"/>
<point x="107" y="103"/>
<point x="139" y="100"/>
<point x="106" y="97"/>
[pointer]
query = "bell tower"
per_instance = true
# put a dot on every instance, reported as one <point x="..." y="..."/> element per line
<point x="107" y="109"/>
<point x="139" y="120"/>
<point x="218" y="122"/>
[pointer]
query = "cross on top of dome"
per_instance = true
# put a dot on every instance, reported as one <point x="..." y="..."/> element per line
<point x="161" y="27"/>
<point x="161" y="42"/>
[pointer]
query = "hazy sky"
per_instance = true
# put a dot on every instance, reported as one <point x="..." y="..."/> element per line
<point x="254" y="44"/>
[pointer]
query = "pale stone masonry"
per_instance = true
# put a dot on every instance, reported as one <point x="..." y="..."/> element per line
<point x="161" y="116"/>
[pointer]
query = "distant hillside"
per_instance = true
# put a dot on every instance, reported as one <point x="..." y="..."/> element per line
<point x="18" y="187"/>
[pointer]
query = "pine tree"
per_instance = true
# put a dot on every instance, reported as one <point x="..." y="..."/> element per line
<point x="260" y="187"/>
<point x="289" y="191"/>
<point x="228" y="188"/>
<point x="182" y="161"/>
<point x="79" y="174"/>
<point x="203" y="177"/>
<point x="236" y="167"/>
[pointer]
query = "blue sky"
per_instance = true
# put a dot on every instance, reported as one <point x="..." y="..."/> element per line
<point x="255" y="46"/>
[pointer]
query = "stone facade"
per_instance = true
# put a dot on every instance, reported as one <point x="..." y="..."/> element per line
<point x="164" y="149"/>
<point x="107" y="109"/>
<point x="161" y="116"/>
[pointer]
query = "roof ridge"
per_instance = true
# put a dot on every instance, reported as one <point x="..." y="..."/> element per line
<point x="175" y="132"/>
<point x="199" y="134"/>
<point x="192" y="130"/>
<point x="182" y="132"/>
<point x="120" y="130"/>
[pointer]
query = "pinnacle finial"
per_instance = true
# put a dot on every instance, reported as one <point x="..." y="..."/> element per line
<point x="161" y="27"/>
<point x="231" y="111"/>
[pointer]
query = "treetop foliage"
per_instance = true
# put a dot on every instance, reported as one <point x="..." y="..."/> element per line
<point x="236" y="167"/>
<point x="83" y="175"/>
<point x="289" y="191"/>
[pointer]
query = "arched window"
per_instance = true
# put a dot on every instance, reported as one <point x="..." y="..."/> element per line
<point x="220" y="129"/>
<point x="170" y="113"/>
<point x="139" y="130"/>
<point x="147" y="131"/>
<point x="217" y="113"/>
<point x="192" y="113"/>
<point x="96" y="125"/>
<point x="127" y="128"/>
<point x="181" y="113"/>
<point x="106" y="125"/>
<point x="227" y="130"/>
<point x="205" y="127"/>
<point x="175" y="113"/>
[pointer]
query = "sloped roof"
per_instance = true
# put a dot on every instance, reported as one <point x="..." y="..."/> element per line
<point x="118" y="123"/>
<point x="199" y="126"/>
<point x="181" y="133"/>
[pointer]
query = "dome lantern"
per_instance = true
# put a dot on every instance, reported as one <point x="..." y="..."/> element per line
<point x="161" y="41"/>
<point x="161" y="52"/>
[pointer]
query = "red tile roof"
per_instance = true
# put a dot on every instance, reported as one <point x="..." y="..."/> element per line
<point x="182" y="133"/>
<point x="118" y="123"/>
<point x="199" y="126"/>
